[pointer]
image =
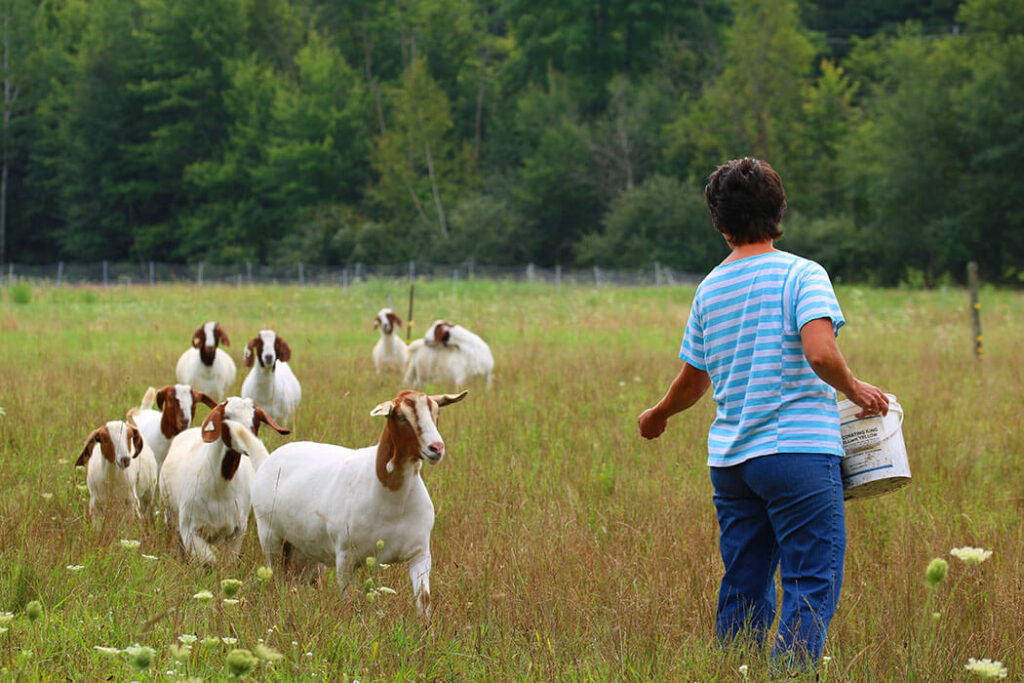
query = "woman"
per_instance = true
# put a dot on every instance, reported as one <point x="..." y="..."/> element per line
<point x="762" y="332"/>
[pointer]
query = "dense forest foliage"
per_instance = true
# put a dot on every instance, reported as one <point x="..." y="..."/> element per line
<point x="511" y="131"/>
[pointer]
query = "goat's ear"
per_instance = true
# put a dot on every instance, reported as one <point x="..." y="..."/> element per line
<point x="90" y="441"/>
<point x="200" y="397"/>
<point x="248" y="357"/>
<point x="395" y="320"/>
<point x="383" y="409"/>
<point x="443" y="400"/>
<point x="212" y="425"/>
<point x="220" y="334"/>
<point x="376" y="323"/>
<point x="161" y="397"/>
<point x="261" y="416"/>
<point x="136" y="440"/>
<point x="282" y="350"/>
<point x="198" y="338"/>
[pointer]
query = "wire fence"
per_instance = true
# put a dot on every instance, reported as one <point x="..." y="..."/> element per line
<point x="111" y="273"/>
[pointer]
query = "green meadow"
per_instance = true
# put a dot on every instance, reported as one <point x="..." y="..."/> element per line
<point x="565" y="548"/>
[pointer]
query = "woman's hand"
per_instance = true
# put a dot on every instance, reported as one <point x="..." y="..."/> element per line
<point x="652" y="423"/>
<point x="869" y="398"/>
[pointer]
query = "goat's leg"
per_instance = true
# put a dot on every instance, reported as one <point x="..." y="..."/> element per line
<point x="234" y="547"/>
<point x="195" y="545"/>
<point x="419" y="572"/>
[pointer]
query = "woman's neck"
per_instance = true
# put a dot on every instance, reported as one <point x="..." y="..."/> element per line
<point x="742" y="251"/>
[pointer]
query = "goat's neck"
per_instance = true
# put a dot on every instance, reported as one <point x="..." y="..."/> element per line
<point x="223" y="462"/>
<point x="406" y="466"/>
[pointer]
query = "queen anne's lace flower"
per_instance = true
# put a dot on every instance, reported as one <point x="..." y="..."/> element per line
<point x="986" y="668"/>
<point x="971" y="555"/>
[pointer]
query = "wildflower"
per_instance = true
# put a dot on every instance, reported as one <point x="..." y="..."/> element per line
<point x="130" y="544"/>
<point x="187" y="638"/>
<point x="230" y="587"/>
<point x="936" y="571"/>
<point x="986" y="668"/>
<point x="3" y="630"/>
<point x="140" y="656"/>
<point x="936" y="615"/>
<point x="371" y="562"/>
<point x="6" y="618"/>
<point x="46" y="496"/>
<point x="62" y="461"/>
<point x="34" y="610"/>
<point x="82" y="487"/>
<point x="180" y="652"/>
<point x="231" y="601"/>
<point x="107" y="651"/>
<point x="743" y="670"/>
<point x="268" y="654"/>
<point x="203" y="596"/>
<point x="149" y="557"/>
<point x="241" y="662"/>
<point x="264" y="573"/>
<point x="971" y="555"/>
<point x="75" y="567"/>
<point x="227" y="640"/>
<point x="380" y="545"/>
<point x="386" y="591"/>
<point x="210" y="641"/>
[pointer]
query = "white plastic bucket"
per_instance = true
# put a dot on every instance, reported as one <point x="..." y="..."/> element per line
<point x="876" y="456"/>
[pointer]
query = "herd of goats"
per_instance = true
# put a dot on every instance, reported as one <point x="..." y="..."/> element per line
<point x="315" y="504"/>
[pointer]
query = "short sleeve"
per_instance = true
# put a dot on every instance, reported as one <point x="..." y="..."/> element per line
<point x="814" y="298"/>
<point x="692" y="349"/>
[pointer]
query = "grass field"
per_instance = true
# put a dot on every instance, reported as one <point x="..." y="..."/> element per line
<point x="565" y="547"/>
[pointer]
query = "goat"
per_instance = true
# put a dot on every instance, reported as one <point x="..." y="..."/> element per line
<point x="390" y="353"/>
<point x="176" y="408"/>
<point x="205" y="482"/>
<point x="318" y="503"/>
<point x="271" y="382"/>
<point x="449" y="354"/>
<point x="205" y="367"/>
<point x="124" y="475"/>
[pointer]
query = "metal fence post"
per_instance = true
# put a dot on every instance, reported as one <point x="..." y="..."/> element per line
<point x="200" y="274"/>
<point x="657" y="273"/>
<point x="248" y="272"/>
<point x="558" y="278"/>
<point x="412" y="271"/>
<point x="60" y="273"/>
<point x="302" y="277"/>
<point x="152" y="273"/>
<point x="106" y="269"/>
<point x="597" y="276"/>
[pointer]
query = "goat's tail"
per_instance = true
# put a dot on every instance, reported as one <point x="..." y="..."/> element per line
<point x="148" y="400"/>
<point x="130" y="416"/>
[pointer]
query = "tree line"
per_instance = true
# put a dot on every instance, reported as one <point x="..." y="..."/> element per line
<point x="577" y="133"/>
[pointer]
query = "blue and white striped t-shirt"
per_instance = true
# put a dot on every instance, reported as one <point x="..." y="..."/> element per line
<point x="744" y="331"/>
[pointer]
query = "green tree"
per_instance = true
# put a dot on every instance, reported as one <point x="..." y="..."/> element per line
<point x="754" y="106"/>
<point x="420" y="165"/>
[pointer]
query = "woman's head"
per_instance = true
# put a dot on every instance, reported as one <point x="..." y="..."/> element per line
<point x="746" y="201"/>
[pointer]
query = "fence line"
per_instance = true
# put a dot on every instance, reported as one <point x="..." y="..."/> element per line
<point x="111" y="273"/>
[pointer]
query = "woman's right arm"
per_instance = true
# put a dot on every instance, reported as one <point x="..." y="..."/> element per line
<point x="823" y="355"/>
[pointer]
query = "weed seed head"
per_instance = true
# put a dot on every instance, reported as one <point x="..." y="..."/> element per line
<point x="936" y="571"/>
<point x="230" y="587"/>
<point x="140" y="656"/>
<point x="34" y="610"/>
<point x="241" y="662"/>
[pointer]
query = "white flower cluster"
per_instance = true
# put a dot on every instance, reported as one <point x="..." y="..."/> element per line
<point x="986" y="668"/>
<point x="971" y="555"/>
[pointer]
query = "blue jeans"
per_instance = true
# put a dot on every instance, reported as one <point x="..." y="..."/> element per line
<point x="785" y="508"/>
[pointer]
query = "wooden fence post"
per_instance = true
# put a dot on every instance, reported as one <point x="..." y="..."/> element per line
<point x="972" y="283"/>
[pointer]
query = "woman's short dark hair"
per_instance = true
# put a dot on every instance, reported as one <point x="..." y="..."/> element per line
<point x="746" y="200"/>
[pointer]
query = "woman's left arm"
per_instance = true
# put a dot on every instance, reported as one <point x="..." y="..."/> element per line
<point x="685" y="390"/>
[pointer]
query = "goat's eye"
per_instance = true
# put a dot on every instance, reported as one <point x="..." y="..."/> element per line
<point x="401" y="418"/>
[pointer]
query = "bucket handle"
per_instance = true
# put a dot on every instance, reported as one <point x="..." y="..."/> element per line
<point x="899" y="409"/>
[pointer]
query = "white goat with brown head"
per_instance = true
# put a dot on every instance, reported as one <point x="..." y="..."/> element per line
<point x="390" y="353"/>
<point x="449" y="354"/>
<point x="317" y="503"/>
<point x="121" y="471"/>
<point x="271" y="382"/>
<point x="175" y="410"/>
<point x="205" y="367"/>
<point x="206" y="479"/>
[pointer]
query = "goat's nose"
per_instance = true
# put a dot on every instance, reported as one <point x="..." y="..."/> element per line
<point x="124" y="462"/>
<point x="267" y="360"/>
<point x="437" y="448"/>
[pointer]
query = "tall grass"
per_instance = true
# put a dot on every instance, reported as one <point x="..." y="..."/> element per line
<point x="565" y="547"/>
